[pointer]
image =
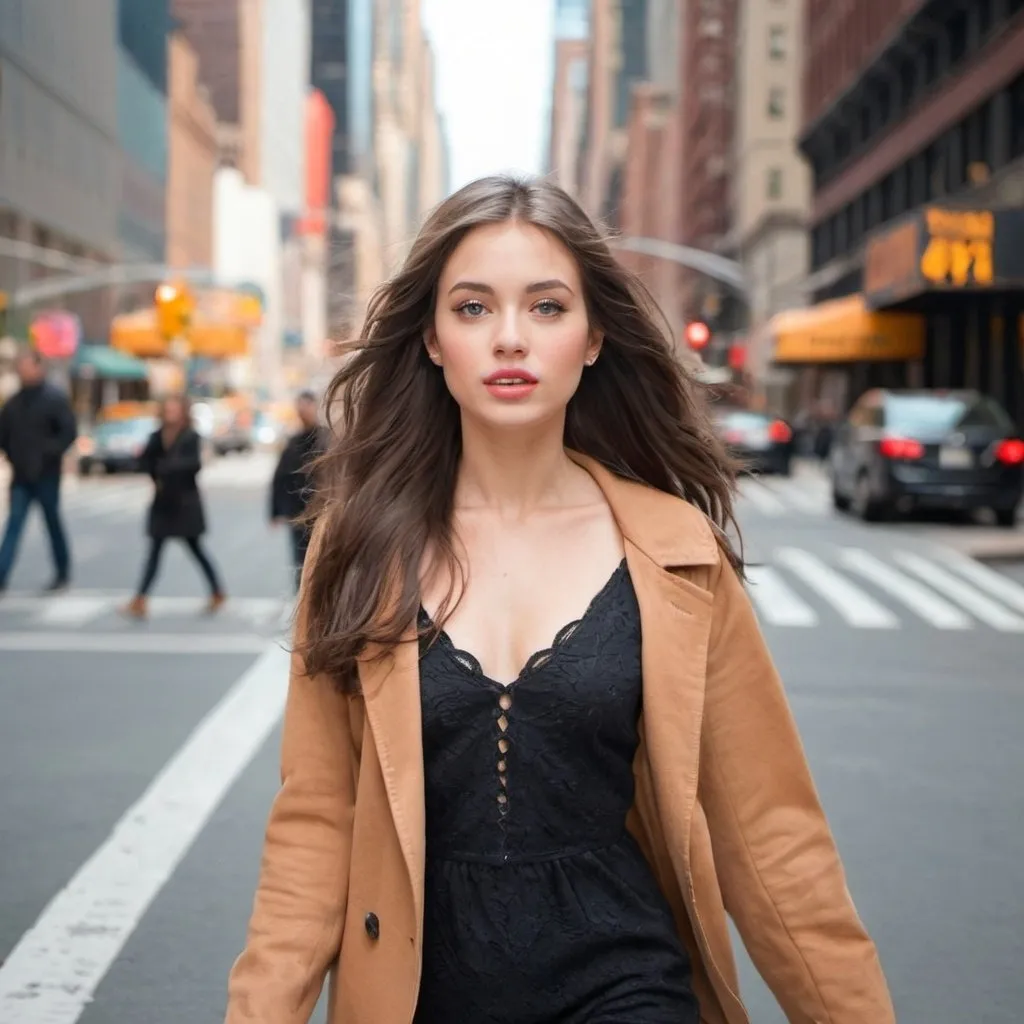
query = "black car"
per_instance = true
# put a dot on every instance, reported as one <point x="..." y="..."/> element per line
<point x="764" y="444"/>
<point x="900" y="450"/>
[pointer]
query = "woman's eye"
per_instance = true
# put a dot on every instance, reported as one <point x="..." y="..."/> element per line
<point x="472" y="308"/>
<point x="549" y="307"/>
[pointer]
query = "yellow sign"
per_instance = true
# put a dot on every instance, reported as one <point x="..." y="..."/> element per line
<point x="846" y="331"/>
<point x="959" y="250"/>
<point x="140" y="334"/>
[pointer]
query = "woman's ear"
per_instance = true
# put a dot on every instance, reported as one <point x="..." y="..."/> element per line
<point x="594" y="346"/>
<point x="431" y="345"/>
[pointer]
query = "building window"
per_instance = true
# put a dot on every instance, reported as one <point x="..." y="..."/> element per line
<point x="774" y="183"/>
<point x="776" y="102"/>
<point x="777" y="42"/>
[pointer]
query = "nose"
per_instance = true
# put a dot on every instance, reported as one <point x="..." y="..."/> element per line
<point x="509" y="339"/>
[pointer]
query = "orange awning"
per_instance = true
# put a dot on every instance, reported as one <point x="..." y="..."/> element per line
<point x="846" y="331"/>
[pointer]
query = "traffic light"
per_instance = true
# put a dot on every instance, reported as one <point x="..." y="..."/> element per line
<point x="174" y="305"/>
<point x="697" y="335"/>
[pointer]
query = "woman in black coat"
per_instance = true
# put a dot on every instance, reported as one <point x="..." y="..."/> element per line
<point x="172" y="457"/>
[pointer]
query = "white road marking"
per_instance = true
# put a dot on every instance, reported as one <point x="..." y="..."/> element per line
<point x="918" y="598"/>
<point x="1007" y="590"/>
<point x="132" y="643"/>
<point x="853" y="604"/>
<point x="800" y="497"/>
<point x="72" y="609"/>
<point x="758" y="495"/>
<point x="52" y="973"/>
<point x="776" y="602"/>
<point x="978" y="604"/>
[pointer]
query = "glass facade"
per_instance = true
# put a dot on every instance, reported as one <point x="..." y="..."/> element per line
<point x="143" y="27"/>
<point x="142" y="129"/>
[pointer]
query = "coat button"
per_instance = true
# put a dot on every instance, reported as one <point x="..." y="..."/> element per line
<point x="372" y="926"/>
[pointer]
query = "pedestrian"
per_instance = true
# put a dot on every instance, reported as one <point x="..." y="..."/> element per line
<point x="470" y="831"/>
<point x="37" y="426"/>
<point x="293" y="484"/>
<point x="173" y="457"/>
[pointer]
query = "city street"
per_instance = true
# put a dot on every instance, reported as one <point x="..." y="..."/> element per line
<point x="139" y="760"/>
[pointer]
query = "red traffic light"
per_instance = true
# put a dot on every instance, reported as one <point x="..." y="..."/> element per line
<point x="697" y="334"/>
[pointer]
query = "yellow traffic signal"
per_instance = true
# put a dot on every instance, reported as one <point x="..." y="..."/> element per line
<point x="174" y="305"/>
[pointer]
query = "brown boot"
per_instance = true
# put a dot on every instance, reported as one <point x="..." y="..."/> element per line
<point x="136" y="608"/>
<point x="216" y="603"/>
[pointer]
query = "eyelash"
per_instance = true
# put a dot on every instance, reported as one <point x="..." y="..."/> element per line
<point x="556" y="306"/>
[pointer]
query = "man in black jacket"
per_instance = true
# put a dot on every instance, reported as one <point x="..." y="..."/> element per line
<point x="293" y="485"/>
<point x="37" y="426"/>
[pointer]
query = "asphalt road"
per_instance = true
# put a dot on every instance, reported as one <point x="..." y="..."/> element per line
<point x="139" y="761"/>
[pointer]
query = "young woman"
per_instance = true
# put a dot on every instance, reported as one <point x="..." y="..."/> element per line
<point x="535" y="748"/>
<point x="172" y="457"/>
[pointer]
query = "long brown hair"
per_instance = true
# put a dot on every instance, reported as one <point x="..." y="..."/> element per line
<point x="388" y="482"/>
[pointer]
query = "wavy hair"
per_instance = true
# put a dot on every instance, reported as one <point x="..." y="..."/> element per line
<point x="387" y="483"/>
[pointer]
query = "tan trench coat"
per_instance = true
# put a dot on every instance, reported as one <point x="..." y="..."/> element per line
<point x="725" y="811"/>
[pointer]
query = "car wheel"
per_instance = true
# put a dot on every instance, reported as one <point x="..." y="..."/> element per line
<point x="865" y="506"/>
<point x="840" y="502"/>
<point x="1007" y="517"/>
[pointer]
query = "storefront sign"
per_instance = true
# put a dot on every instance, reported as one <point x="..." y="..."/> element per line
<point x="959" y="249"/>
<point x="940" y="249"/>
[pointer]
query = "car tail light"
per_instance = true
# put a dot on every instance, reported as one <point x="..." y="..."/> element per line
<point x="779" y="432"/>
<point x="1010" y="453"/>
<point x="901" y="448"/>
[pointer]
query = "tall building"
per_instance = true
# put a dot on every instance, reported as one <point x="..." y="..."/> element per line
<point x="143" y="27"/>
<point x="227" y="37"/>
<point x="770" y="178"/>
<point x="60" y="156"/>
<point x="914" y="127"/>
<point x="617" y="61"/>
<point x="329" y="69"/>
<point x="709" y="62"/>
<point x="192" y="160"/>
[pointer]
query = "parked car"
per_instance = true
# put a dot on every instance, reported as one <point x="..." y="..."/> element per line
<point x="899" y="450"/>
<point x="763" y="443"/>
<point x="115" y="445"/>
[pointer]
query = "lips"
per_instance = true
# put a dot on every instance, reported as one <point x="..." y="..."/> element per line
<point x="509" y="378"/>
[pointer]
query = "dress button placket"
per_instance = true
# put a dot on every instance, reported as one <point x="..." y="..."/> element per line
<point x="501" y="714"/>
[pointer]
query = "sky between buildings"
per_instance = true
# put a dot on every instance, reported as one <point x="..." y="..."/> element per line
<point x="494" y="67"/>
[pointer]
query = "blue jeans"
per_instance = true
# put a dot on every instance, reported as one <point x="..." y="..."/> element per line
<point x="46" y="491"/>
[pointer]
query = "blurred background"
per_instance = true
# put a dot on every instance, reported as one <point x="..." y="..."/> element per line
<point x="827" y="201"/>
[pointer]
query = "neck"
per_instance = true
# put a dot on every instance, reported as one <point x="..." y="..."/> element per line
<point x="513" y="472"/>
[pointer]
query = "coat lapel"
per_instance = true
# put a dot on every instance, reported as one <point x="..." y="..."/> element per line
<point x="664" y="537"/>
<point x="391" y="692"/>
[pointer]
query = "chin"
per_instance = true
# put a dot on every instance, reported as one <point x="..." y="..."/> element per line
<point x="514" y="416"/>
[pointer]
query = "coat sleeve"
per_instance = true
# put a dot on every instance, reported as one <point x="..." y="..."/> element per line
<point x="295" y="930"/>
<point x="778" y="867"/>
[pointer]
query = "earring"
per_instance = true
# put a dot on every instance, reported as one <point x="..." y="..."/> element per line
<point x="591" y="360"/>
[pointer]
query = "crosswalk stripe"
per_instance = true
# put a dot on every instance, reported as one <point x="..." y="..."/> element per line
<point x="852" y="603"/>
<point x="776" y="602"/>
<point x="797" y="495"/>
<point x="72" y="610"/>
<point x="918" y="598"/>
<point x="757" y="494"/>
<point x="1008" y="591"/>
<point x="977" y="603"/>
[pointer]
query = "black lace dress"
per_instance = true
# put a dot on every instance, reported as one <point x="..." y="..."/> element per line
<point x="540" y="907"/>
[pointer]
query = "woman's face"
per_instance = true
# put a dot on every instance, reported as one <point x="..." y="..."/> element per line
<point x="174" y="413"/>
<point x="510" y="326"/>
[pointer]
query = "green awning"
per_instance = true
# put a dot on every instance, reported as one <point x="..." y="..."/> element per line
<point x="109" y="364"/>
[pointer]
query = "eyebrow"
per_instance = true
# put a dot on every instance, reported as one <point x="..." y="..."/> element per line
<point x="486" y="289"/>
